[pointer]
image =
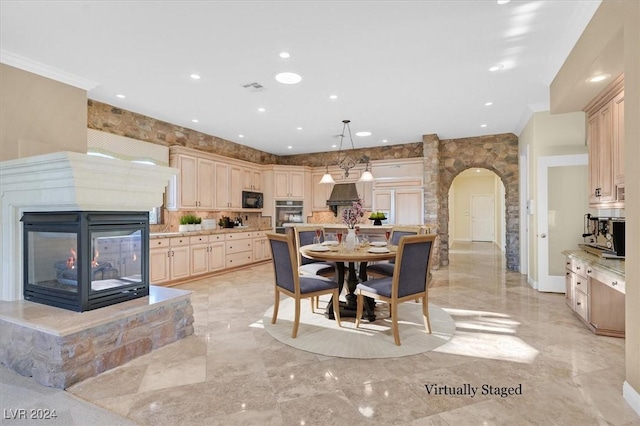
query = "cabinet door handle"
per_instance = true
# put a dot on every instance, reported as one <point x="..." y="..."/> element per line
<point x="614" y="283"/>
<point x="172" y="253"/>
<point x="588" y="271"/>
<point x="578" y="303"/>
<point x="577" y="267"/>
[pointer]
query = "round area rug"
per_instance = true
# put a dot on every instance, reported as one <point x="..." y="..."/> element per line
<point x="320" y="335"/>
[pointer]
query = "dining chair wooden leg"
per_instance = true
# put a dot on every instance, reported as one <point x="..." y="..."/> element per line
<point x="296" y="320"/>
<point x="336" y="307"/>
<point x="275" y="307"/>
<point x="425" y="314"/>
<point x="359" y="306"/>
<point x="394" y="322"/>
<point x="314" y="302"/>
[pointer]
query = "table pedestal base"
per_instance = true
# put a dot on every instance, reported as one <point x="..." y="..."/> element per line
<point x="348" y="309"/>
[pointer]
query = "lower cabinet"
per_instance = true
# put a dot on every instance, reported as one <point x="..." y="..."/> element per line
<point x="261" y="249"/>
<point x="206" y="254"/>
<point x="238" y="249"/>
<point x="168" y="259"/>
<point x="596" y="297"/>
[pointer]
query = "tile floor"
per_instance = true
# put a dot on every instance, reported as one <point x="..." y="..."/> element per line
<point x="507" y="335"/>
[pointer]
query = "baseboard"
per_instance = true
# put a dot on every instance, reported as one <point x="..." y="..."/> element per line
<point x="532" y="283"/>
<point x="631" y="396"/>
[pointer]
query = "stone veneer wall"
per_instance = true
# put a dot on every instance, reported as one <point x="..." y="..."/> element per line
<point x="121" y="122"/>
<point x="385" y="152"/>
<point x="61" y="360"/>
<point x="498" y="153"/>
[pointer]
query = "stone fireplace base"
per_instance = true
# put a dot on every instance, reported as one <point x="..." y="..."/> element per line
<point x="58" y="347"/>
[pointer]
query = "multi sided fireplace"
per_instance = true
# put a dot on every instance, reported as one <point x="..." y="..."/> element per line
<point x="83" y="260"/>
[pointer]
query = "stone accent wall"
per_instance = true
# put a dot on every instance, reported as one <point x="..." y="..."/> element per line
<point x="386" y="152"/>
<point x="498" y="153"/>
<point x="61" y="360"/>
<point x="126" y="123"/>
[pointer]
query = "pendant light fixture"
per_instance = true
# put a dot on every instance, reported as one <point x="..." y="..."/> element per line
<point x="345" y="161"/>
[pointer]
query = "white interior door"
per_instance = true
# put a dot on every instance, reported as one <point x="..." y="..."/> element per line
<point x="482" y="218"/>
<point x="562" y="202"/>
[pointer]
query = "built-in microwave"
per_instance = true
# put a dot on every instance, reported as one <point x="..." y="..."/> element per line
<point x="252" y="200"/>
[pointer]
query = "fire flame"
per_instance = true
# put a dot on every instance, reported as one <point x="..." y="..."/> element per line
<point x="94" y="262"/>
<point x="71" y="260"/>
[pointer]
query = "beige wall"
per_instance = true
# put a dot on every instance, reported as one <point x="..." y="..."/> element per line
<point x="548" y="134"/>
<point x="610" y="20"/>
<point x="462" y="189"/>
<point x="39" y="115"/>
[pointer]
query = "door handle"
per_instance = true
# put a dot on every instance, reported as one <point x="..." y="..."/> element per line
<point x="543" y="235"/>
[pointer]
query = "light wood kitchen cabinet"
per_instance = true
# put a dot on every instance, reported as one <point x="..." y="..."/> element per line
<point x="251" y="179"/>
<point x="403" y="206"/>
<point x="206" y="254"/>
<point x="288" y="184"/>
<point x="606" y="147"/>
<point x="261" y="249"/>
<point x="238" y="249"/>
<point x="597" y="297"/>
<point x="322" y="191"/>
<point x="168" y="259"/>
<point x="228" y="192"/>
<point x="195" y="189"/>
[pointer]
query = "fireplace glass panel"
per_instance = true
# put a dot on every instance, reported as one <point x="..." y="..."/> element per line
<point x="116" y="259"/>
<point x="53" y="260"/>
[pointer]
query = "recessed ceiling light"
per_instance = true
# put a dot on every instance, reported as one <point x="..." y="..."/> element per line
<point x="597" y="78"/>
<point x="120" y="96"/>
<point x="261" y="109"/>
<point x="362" y="134"/>
<point x="289" y="147"/>
<point x="384" y="141"/>
<point x="288" y="78"/>
<point x="488" y="103"/>
<point x="477" y="170"/>
<point x="503" y="1"/>
<point x="195" y="76"/>
<point x="496" y="67"/>
<point x="241" y="136"/>
<point x="333" y="97"/>
<point x="285" y="55"/>
<point x="195" y="120"/>
<point x="299" y="128"/>
<point x="334" y="146"/>
<point x="483" y="125"/>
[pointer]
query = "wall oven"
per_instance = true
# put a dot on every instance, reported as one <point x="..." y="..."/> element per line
<point x="288" y="211"/>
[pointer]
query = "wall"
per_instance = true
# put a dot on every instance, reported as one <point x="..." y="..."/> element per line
<point x="464" y="187"/>
<point x="45" y="116"/>
<point x="548" y="134"/>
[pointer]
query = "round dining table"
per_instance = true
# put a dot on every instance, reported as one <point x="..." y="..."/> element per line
<point x="339" y="255"/>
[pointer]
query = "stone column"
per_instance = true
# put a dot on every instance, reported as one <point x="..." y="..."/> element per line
<point x="430" y="147"/>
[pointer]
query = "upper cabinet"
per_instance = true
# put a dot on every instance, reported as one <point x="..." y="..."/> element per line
<point x="209" y="182"/>
<point x="194" y="185"/>
<point x="322" y="191"/>
<point x="606" y="147"/>
<point x="288" y="183"/>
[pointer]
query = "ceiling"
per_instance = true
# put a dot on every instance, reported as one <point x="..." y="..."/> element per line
<point x="399" y="69"/>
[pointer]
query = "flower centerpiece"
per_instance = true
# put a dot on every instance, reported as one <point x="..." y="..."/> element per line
<point x="352" y="216"/>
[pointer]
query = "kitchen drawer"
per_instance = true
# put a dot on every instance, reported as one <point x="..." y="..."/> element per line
<point x="259" y="234"/>
<point x="238" y="236"/>
<point x="238" y="259"/>
<point x="216" y="237"/>
<point x="609" y="279"/>
<point x="199" y="239"/>
<point x="238" y="246"/>
<point x="581" y="283"/>
<point x="579" y="267"/>
<point x="159" y="242"/>
<point x="582" y="305"/>
<point x="179" y="241"/>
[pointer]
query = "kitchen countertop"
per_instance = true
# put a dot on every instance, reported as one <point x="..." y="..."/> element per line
<point x="236" y="229"/>
<point x="610" y="266"/>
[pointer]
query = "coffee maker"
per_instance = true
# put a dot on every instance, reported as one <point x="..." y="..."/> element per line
<point x="604" y="236"/>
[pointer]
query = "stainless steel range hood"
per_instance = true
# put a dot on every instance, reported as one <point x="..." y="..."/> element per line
<point x="343" y="194"/>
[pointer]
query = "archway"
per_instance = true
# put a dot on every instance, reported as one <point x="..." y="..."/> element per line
<point x="445" y="159"/>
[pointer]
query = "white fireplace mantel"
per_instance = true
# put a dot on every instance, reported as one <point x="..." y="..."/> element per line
<point x="70" y="181"/>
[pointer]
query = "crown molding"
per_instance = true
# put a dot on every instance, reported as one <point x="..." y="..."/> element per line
<point x="43" y="70"/>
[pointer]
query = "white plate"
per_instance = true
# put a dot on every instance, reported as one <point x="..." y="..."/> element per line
<point x="378" y="244"/>
<point x="378" y="250"/>
<point x="319" y="248"/>
<point x="330" y="243"/>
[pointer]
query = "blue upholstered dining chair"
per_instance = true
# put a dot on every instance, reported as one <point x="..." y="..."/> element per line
<point x="290" y="283"/>
<point x="385" y="268"/>
<point x="408" y="282"/>
<point x="304" y="236"/>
